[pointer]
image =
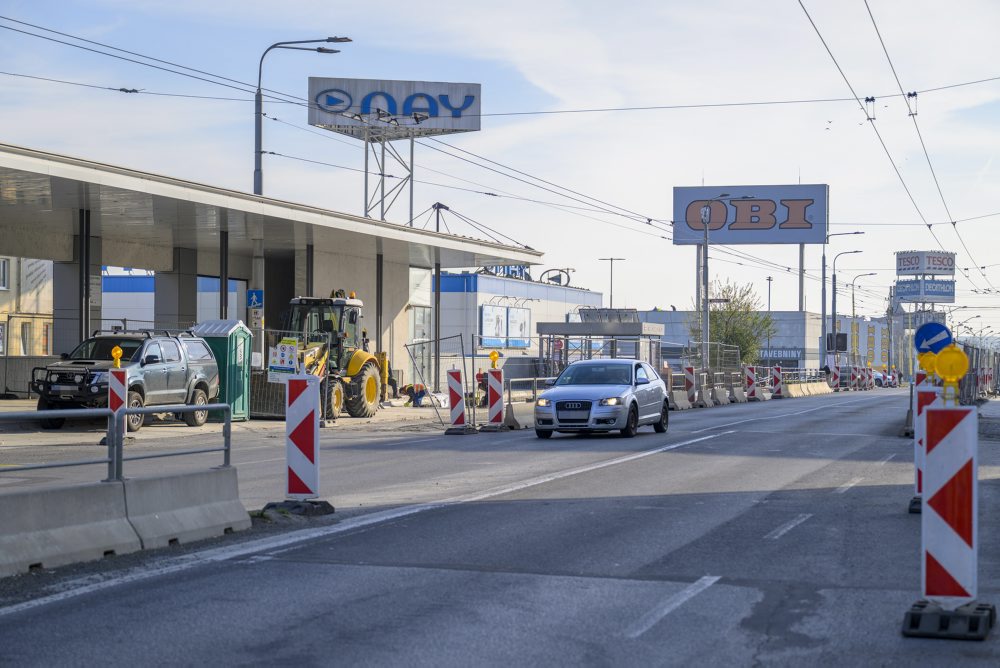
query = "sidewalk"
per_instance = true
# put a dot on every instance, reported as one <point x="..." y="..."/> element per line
<point x="989" y="419"/>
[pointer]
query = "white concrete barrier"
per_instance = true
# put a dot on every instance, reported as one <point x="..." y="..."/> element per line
<point x="720" y="396"/>
<point x="739" y="396"/>
<point x="681" y="399"/>
<point x="185" y="507"/>
<point x="57" y="526"/>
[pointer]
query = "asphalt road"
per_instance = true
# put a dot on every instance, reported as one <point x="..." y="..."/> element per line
<point x="773" y="534"/>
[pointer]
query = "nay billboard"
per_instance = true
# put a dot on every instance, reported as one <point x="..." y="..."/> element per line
<point x="790" y="214"/>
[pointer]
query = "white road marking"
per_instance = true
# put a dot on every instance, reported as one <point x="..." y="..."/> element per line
<point x="781" y="415"/>
<point x="787" y="526"/>
<point x="847" y="485"/>
<point x="886" y="459"/>
<point x="651" y="618"/>
<point x="274" y="543"/>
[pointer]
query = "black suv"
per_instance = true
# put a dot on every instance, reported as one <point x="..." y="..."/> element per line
<point x="162" y="369"/>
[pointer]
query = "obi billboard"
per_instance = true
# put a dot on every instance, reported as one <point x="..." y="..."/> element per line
<point x="914" y="263"/>
<point x="792" y="214"/>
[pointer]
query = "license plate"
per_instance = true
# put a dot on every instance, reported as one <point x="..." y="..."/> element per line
<point x="574" y="415"/>
<point x="65" y="388"/>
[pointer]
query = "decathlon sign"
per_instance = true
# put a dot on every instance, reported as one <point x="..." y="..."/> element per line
<point x="792" y="214"/>
<point x="925" y="291"/>
<point x="395" y="107"/>
<point x="925" y="262"/>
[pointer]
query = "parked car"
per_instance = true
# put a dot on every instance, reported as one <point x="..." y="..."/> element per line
<point x="162" y="370"/>
<point x="882" y="380"/>
<point x="603" y="395"/>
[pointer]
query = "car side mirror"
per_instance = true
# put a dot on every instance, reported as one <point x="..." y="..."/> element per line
<point x="151" y="359"/>
<point x="64" y="356"/>
<point x="642" y="381"/>
<point x="550" y="381"/>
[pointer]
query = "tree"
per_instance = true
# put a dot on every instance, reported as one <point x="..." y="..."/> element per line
<point x="735" y="319"/>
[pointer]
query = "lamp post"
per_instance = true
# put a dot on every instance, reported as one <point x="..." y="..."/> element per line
<point x="823" y="296"/>
<point x="611" y="290"/>
<point x="706" y="219"/>
<point x="855" y="280"/>
<point x="967" y="320"/>
<point x="258" y="175"/>
<point x="770" y="279"/>
<point x="833" y="317"/>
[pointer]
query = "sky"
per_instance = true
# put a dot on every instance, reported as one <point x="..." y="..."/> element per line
<point x="571" y="55"/>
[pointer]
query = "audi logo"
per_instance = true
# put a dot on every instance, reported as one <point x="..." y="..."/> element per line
<point x="573" y="404"/>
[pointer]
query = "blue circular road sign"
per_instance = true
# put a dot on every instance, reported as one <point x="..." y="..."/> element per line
<point x="932" y="337"/>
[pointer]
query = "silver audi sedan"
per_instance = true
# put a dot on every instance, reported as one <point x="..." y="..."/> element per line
<point x="603" y="395"/>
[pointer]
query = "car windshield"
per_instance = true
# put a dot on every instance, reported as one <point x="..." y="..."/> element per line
<point x="100" y="349"/>
<point x="596" y="374"/>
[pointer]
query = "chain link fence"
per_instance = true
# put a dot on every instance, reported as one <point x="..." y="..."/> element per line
<point x="267" y="398"/>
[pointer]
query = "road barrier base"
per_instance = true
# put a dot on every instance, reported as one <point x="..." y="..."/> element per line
<point x="916" y="505"/>
<point x="972" y="621"/>
<point x="907" y="430"/>
<point x="494" y="427"/>
<point x="460" y="431"/>
<point x="680" y="400"/>
<point x="720" y="396"/>
<point x="739" y="396"/>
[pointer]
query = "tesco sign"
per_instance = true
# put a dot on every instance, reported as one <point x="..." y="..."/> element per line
<point x="934" y="263"/>
<point x="789" y="214"/>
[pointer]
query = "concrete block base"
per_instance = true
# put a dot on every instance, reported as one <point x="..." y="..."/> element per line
<point x="680" y="400"/>
<point x="185" y="507"/>
<point x="54" y="527"/>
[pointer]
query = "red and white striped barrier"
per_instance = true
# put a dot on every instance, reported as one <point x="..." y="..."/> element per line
<point x="689" y="386"/>
<point x="750" y="382"/>
<point x="854" y="378"/>
<point x="302" y="437"/>
<point x="456" y="397"/>
<point x="927" y="397"/>
<point x="834" y="380"/>
<point x="118" y="396"/>
<point x="776" y="383"/>
<point x="949" y="524"/>
<point x="494" y="393"/>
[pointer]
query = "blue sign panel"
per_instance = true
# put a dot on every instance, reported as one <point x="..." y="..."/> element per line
<point x="939" y="290"/>
<point x="255" y="299"/>
<point x="932" y="337"/>
<point x="908" y="291"/>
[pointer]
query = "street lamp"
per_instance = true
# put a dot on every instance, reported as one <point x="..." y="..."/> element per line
<point x="833" y="317"/>
<point x="823" y="296"/>
<point x="967" y="320"/>
<point x="853" y="312"/>
<point x="258" y="176"/>
<point x="706" y="219"/>
<point x="612" y="260"/>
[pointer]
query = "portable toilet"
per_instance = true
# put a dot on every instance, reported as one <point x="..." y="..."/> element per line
<point x="231" y="343"/>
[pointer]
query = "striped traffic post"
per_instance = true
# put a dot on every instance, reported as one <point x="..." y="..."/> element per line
<point x="456" y="401"/>
<point x="925" y="397"/>
<point x="834" y="380"/>
<point x="776" y="383"/>
<point x="689" y="385"/>
<point x="750" y="382"/>
<point x="302" y="437"/>
<point x="117" y="401"/>
<point x="494" y="401"/>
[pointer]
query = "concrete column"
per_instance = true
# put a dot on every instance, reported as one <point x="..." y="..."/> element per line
<point x="175" y="301"/>
<point x="76" y="290"/>
<point x="379" y="270"/>
<point x="223" y="275"/>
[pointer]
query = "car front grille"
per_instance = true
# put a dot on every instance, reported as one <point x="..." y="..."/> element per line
<point x="573" y="412"/>
<point x="573" y="405"/>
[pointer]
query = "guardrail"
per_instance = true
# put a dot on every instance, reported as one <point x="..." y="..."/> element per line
<point x="116" y="435"/>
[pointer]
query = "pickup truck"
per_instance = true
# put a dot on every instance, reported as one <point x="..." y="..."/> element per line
<point x="162" y="369"/>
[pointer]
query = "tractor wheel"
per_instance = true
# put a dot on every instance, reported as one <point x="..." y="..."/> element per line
<point x="334" y="399"/>
<point x="366" y="388"/>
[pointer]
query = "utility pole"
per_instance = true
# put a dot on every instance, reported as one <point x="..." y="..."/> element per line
<point x="438" y="207"/>
<point x="769" y="280"/>
<point x="611" y="295"/>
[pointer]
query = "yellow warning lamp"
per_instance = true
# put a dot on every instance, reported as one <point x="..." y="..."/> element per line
<point x="952" y="363"/>
<point x="928" y="362"/>
<point x="116" y="354"/>
<point x="494" y="356"/>
<point x="354" y="295"/>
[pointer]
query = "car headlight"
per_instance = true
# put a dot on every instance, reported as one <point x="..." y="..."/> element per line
<point x="99" y="377"/>
<point x="543" y="403"/>
<point x="611" y="401"/>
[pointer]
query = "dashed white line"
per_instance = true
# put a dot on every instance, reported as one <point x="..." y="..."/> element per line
<point x="651" y="618"/>
<point x="847" y="485"/>
<point x="787" y="526"/>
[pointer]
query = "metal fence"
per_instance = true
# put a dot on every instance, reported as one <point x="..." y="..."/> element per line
<point x="267" y="399"/>
<point x="115" y="436"/>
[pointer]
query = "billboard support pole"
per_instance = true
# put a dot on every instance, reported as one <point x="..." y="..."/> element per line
<point x="364" y="208"/>
<point x="412" y="164"/>
<point x="802" y="277"/>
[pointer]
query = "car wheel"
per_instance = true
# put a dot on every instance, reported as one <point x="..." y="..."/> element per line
<point x="661" y="426"/>
<point x="543" y="433"/>
<point x="631" y="423"/>
<point x="135" y="422"/>
<point x="49" y="423"/>
<point x="197" y="418"/>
